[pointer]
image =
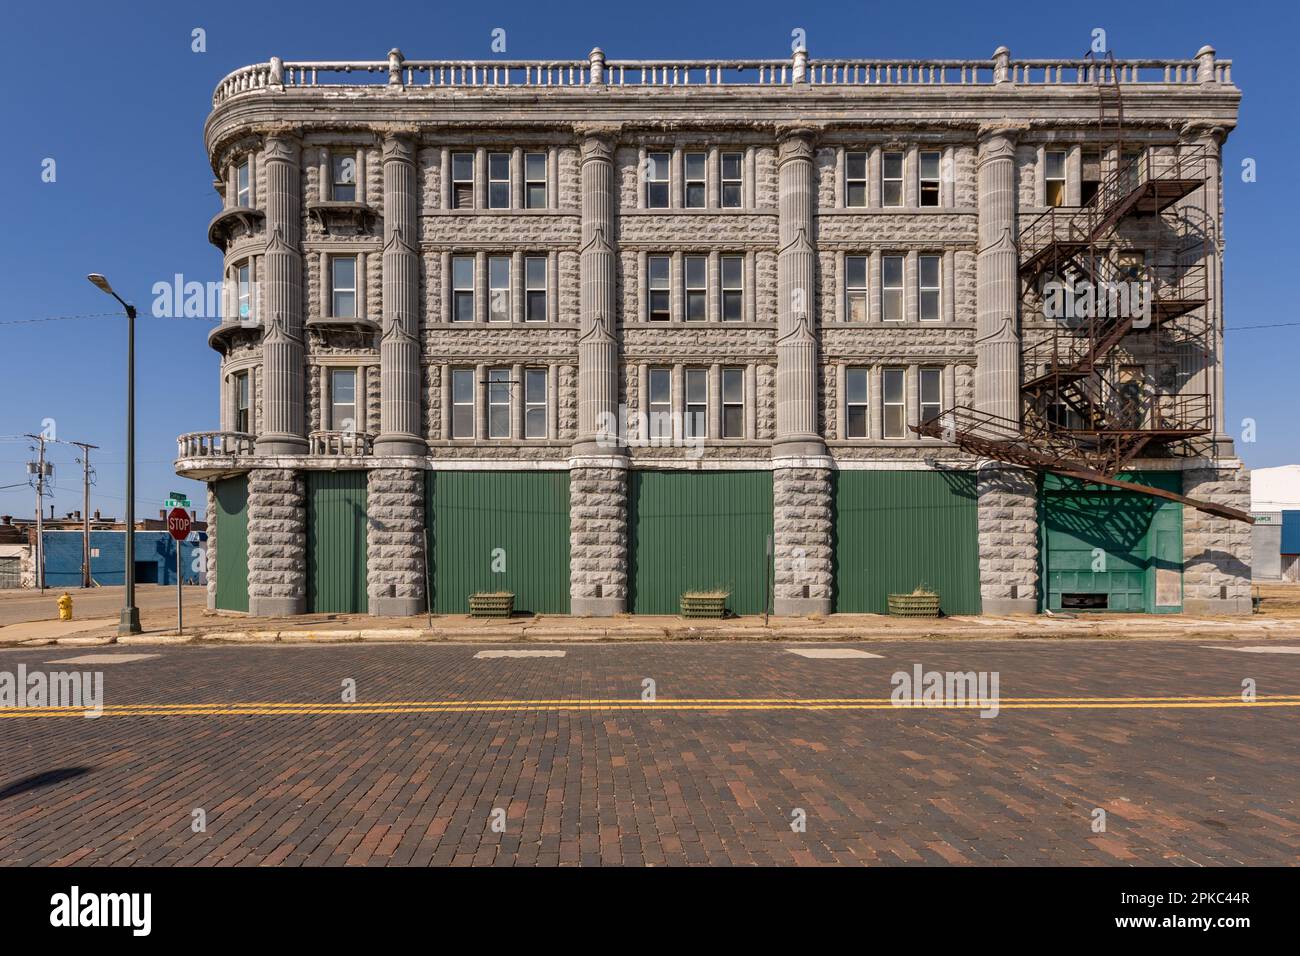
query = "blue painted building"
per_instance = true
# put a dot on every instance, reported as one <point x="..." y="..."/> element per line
<point x="155" y="558"/>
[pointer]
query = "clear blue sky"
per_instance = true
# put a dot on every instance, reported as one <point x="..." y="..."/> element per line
<point x="118" y="100"/>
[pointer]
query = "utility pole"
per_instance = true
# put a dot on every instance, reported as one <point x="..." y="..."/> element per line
<point x="40" y="470"/>
<point x="85" y="510"/>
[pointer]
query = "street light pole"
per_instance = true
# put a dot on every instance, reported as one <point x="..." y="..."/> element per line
<point x="130" y="620"/>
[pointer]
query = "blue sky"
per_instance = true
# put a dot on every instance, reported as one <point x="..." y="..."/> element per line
<point x="118" y="100"/>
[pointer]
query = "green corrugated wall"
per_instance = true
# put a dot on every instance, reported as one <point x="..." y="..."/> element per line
<point x="693" y="531"/>
<point x="336" y="541"/>
<point x="499" y="531"/>
<point x="232" y="543"/>
<point x="897" y="530"/>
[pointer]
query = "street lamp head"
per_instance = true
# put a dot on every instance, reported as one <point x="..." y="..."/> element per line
<point x="99" y="282"/>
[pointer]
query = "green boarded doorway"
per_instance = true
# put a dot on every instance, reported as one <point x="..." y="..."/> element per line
<point x="336" y="542"/>
<point x="694" y="531"/>
<point x="231" y="519"/>
<point x="1106" y="549"/>
<point x="898" y="530"/>
<point x="499" y="531"/>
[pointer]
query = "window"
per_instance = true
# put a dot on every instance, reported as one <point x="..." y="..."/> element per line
<point x="535" y="289"/>
<point x="498" y="180"/>
<point x="462" y="285"/>
<point x="895" y="406"/>
<point x="462" y="403"/>
<point x="1090" y="176"/>
<point x="930" y="161"/>
<point x="732" y="180"/>
<point x="535" y="403"/>
<point x="1132" y="396"/>
<point x="891" y="179"/>
<point x="733" y="288"/>
<point x="928" y="269"/>
<point x="1054" y="176"/>
<point x="498" y="288"/>
<point x="855" y="288"/>
<point x="855" y="403"/>
<point x="534" y="180"/>
<point x="243" y="186"/>
<point x="891" y="288"/>
<point x="243" y="407"/>
<point x="658" y="282"/>
<point x="343" y="399"/>
<point x="855" y="179"/>
<point x="499" y="403"/>
<point x="659" y="402"/>
<point x="462" y="180"/>
<point x="343" y="177"/>
<point x="733" y="403"/>
<point x="931" y="393"/>
<point x="697" y="402"/>
<point x="343" y="286"/>
<point x="695" y="180"/>
<point x="1131" y="265"/>
<point x="244" y="291"/>
<point x="656" y="180"/>
<point x="697" y="295"/>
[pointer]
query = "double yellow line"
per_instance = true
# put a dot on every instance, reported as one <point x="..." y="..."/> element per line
<point x="617" y="705"/>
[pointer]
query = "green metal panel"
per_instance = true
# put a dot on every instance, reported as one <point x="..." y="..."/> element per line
<point x="232" y="543"/>
<point x="336" y="542"/>
<point x="1125" y="545"/>
<point x="898" y="530"/>
<point x="499" y="531"/>
<point x="696" y="531"/>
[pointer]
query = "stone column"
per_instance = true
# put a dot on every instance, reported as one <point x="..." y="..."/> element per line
<point x="1217" y="552"/>
<point x="997" y="329"/>
<point x="395" y="541"/>
<point x="1204" y="158"/>
<point x="210" y="554"/>
<point x="801" y="476"/>
<point x="598" y="536"/>
<point x="399" y="351"/>
<point x="1007" y="512"/>
<point x="284" y="422"/>
<point x="277" y="542"/>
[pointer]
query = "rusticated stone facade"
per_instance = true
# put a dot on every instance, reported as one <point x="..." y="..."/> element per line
<point x="277" y="542"/>
<point x="802" y="517"/>
<point x="1008" y="530"/>
<point x="598" y="539"/>
<point x="395" y="541"/>
<point x="1216" y="553"/>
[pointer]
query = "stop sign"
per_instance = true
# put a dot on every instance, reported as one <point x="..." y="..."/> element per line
<point x="178" y="523"/>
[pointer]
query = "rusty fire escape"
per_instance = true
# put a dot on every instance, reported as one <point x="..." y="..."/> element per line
<point x="1117" y="286"/>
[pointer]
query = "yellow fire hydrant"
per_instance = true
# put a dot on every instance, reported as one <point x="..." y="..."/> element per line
<point x="65" y="607"/>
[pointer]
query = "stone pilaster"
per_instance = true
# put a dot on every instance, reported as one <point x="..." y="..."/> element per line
<point x="277" y="542"/>
<point x="997" y="327"/>
<point x="1217" y="553"/>
<point x="598" y="537"/>
<point x="802" y="534"/>
<point x="284" y="421"/>
<point x="210" y="551"/>
<point x="597" y="345"/>
<point x="1008" y="539"/>
<point x="395" y="541"/>
<point x="399" y="350"/>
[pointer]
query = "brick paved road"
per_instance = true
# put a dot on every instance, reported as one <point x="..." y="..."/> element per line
<point x="595" y="783"/>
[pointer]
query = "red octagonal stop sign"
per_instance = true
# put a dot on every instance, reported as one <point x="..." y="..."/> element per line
<point x="178" y="523"/>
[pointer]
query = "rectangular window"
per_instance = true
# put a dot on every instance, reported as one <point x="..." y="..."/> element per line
<point x="855" y="179"/>
<point x="535" y="180"/>
<point x="928" y="174"/>
<point x="855" y="288"/>
<point x="535" y="403"/>
<point x="462" y="180"/>
<point x="891" y="288"/>
<point x="697" y="402"/>
<point x="656" y="180"/>
<point x="243" y="406"/>
<point x="1054" y="176"/>
<point x="891" y="179"/>
<point x="498" y="180"/>
<point x="733" y="288"/>
<point x="856" y="407"/>
<point x="733" y="180"/>
<point x="343" y="286"/>
<point x="462" y="288"/>
<point x="1090" y="176"/>
<point x="659" y="403"/>
<point x="659" y="306"/>
<point x="343" y="177"/>
<point x="498" y="288"/>
<point x="535" y="289"/>
<point x="498" y="403"/>
<point x="244" y="291"/>
<point x="243" y="186"/>
<point x="695" y="164"/>
<point x="928" y="272"/>
<point x="343" y="399"/>
<point x="462" y="403"/>
<point x="697" y="288"/>
<point x="891" y="382"/>
<point x="733" y="403"/>
<point x="931" y="393"/>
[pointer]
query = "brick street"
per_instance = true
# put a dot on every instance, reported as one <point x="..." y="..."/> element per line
<point x="738" y="738"/>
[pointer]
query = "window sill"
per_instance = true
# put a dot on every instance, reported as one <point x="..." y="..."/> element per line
<point x="354" y="323"/>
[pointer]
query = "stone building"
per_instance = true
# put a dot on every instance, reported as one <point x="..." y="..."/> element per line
<point x="596" y="332"/>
